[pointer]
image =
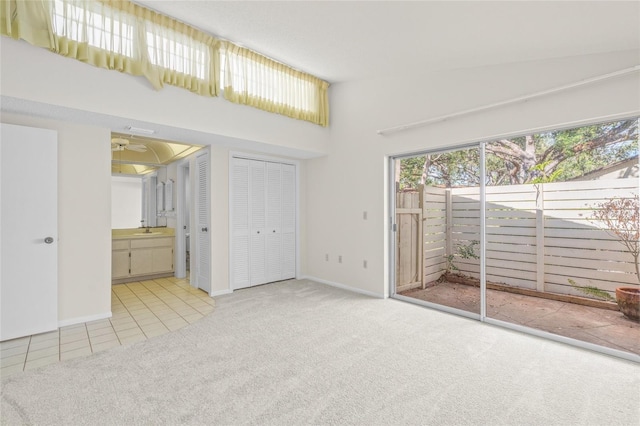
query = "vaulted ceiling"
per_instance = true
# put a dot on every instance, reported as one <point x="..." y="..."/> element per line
<point x="137" y="155"/>
<point x="344" y="40"/>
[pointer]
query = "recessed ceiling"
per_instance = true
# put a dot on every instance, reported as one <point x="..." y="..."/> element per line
<point x="137" y="155"/>
<point x="344" y="40"/>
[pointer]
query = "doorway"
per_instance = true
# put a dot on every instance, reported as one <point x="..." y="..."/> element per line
<point x="183" y="229"/>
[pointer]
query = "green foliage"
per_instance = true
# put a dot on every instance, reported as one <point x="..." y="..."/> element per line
<point x="591" y="291"/>
<point x="544" y="157"/>
<point x="542" y="176"/>
<point x="464" y="252"/>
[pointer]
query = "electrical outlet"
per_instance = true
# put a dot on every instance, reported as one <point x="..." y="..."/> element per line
<point x="339" y="259"/>
<point x="326" y="257"/>
<point x="364" y="264"/>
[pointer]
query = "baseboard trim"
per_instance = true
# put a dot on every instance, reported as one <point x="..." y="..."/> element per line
<point x="344" y="287"/>
<point x="220" y="293"/>
<point x="78" y="320"/>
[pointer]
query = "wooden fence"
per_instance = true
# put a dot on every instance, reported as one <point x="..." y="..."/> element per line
<point x="409" y="255"/>
<point x="538" y="237"/>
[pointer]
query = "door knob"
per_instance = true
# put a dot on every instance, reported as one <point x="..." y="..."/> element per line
<point x="204" y="229"/>
<point x="48" y="240"/>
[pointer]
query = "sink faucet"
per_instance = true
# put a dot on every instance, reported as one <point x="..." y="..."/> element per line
<point x="147" y="230"/>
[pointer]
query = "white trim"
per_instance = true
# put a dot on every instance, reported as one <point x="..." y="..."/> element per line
<point x="524" y="98"/>
<point x="181" y="208"/>
<point x="89" y="318"/>
<point x="261" y="157"/>
<point x="220" y="292"/>
<point x="345" y="287"/>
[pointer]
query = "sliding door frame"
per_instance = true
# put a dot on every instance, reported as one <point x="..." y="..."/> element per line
<point x="482" y="317"/>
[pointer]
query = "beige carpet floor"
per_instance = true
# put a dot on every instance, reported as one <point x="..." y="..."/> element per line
<point x="300" y="352"/>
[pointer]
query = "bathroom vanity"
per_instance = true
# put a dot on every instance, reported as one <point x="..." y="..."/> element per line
<point x="137" y="255"/>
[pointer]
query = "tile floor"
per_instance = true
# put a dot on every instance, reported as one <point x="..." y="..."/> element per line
<point x="141" y="310"/>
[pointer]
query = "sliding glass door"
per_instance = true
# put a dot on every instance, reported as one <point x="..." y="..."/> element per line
<point x="538" y="233"/>
<point x="437" y="209"/>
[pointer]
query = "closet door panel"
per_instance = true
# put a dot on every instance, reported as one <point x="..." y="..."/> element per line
<point x="240" y="224"/>
<point x="288" y="221"/>
<point x="257" y="222"/>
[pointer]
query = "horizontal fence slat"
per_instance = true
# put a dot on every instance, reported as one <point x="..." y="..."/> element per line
<point x="587" y="234"/>
<point x="573" y="224"/>
<point x="590" y="184"/>
<point x="590" y="264"/>
<point x="432" y="277"/>
<point x="512" y="256"/>
<point x="437" y="253"/>
<point x="432" y="269"/>
<point x="508" y="189"/>
<point x="511" y="248"/>
<point x="594" y="194"/>
<point x="587" y="253"/>
<point x="573" y="273"/>
<point x="508" y="230"/>
<point x="582" y="243"/>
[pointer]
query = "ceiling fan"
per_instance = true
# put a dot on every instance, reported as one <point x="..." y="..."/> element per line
<point x="120" y="144"/>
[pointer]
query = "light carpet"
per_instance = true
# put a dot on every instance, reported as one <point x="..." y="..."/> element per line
<point x="299" y="352"/>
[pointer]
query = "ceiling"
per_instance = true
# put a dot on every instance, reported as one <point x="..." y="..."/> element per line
<point x="343" y="40"/>
<point x="137" y="155"/>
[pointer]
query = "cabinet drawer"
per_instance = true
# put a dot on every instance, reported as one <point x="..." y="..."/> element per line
<point x="119" y="244"/>
<point x="152" y="242"/>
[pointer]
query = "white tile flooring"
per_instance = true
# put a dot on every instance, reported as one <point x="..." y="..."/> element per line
<point x="141" y="310"/>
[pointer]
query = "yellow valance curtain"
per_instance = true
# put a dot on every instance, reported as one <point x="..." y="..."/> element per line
<point x="253" y="79"/>
<point x="120" y="35"/>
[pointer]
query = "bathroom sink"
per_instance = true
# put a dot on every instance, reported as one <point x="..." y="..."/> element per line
<point x="148" y="233"/>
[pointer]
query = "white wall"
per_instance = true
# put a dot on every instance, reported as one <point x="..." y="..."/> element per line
<point x="126" y="202"/>
<point x="84" y="218"/>
<point x="352" y="178"/>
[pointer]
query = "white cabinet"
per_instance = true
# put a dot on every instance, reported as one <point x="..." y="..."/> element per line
<point x="119" y="259"/>
<point x="263" y="222"/>
<point x="140" y="258"/>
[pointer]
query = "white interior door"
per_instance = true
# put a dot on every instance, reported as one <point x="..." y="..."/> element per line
<point x="288" y="225"/>
<point x="263" y="222"/>
<point x="203" y="239"/>
<point x="28" y="231"/>
<point x="257" y="223"/>
<point x="274" y="222"/>
<point x="240" y="224"/>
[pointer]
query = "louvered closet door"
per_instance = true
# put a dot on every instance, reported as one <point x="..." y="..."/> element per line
<point x="274" y="221"/>
<point x="203" y="245"/>
<point x="240" y="224"/>
<point x="257" y="223"/>
<point x="263" y="222"/>
<point x="288" y="230"/>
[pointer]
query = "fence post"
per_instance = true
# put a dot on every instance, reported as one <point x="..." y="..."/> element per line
<point x="449" y="214"/>
<point x="540" y="285"/>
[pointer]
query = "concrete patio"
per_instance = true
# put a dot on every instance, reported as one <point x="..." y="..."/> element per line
<point x="594" y="325"/>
